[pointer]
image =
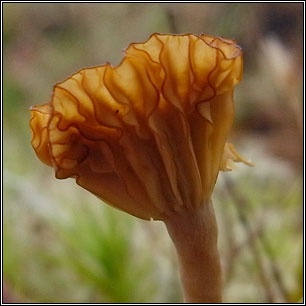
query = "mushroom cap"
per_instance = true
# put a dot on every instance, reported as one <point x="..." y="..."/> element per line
<point x="148" y="135"/>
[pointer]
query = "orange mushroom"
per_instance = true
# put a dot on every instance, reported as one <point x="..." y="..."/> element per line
<point x="149" y="137"/>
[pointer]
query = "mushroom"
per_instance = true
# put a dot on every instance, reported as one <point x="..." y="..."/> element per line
<point x="149" y="138"/>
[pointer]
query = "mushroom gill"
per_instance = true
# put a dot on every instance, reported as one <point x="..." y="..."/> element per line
<point x="147" y="136"/>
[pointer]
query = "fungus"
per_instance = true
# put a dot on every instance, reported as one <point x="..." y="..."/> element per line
<point x="149" y="138"/>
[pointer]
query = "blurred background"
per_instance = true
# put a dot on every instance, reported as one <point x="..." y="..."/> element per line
<point x="62" y="245"/>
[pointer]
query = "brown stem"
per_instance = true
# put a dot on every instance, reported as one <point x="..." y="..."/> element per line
<point x="194" y="235"/>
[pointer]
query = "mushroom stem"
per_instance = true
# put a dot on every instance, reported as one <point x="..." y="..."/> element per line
<point x="194" y="235"/>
